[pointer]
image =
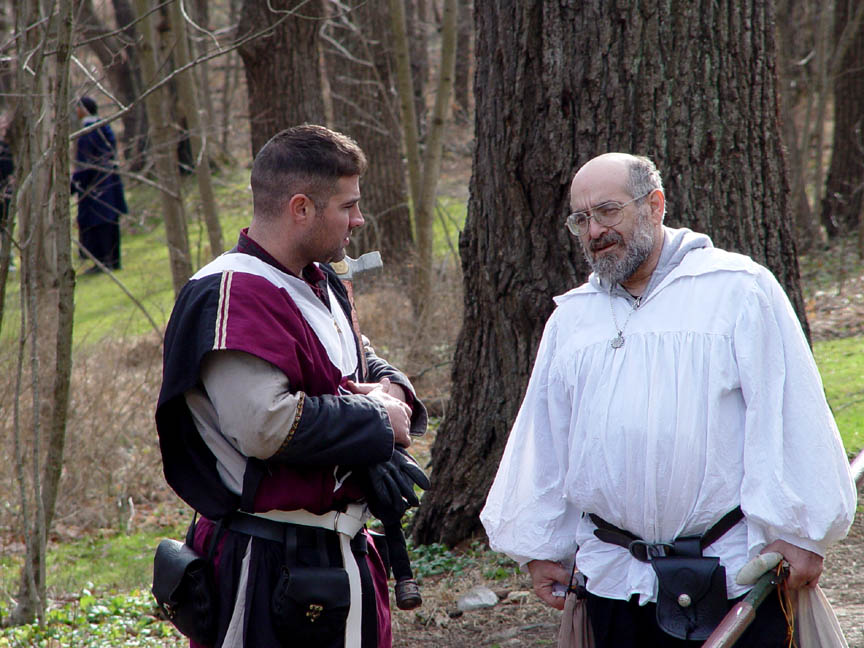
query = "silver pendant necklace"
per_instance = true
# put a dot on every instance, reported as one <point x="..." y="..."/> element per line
<point x="618" y="341"/>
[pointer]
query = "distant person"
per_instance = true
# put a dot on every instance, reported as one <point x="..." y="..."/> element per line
<point x="674" y="428"/>
<point x="100" y="191"/>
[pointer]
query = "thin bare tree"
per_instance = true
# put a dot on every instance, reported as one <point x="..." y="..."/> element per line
<point x="47" y="281"/>
<point x="164" y="150"/>
<point x="424" y="176"/>
<point x="190" y="106"/>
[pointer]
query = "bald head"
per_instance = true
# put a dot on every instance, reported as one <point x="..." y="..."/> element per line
<point x="622" y="174"/>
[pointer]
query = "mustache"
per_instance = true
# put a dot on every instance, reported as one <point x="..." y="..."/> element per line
<point x="608" y="238"/>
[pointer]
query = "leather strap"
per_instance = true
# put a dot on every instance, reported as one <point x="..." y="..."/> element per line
<point x="641" y="550"/>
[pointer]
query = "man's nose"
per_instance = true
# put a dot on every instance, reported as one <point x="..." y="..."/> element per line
<point x="595" y="229"/>
<point x="356" y="218"/>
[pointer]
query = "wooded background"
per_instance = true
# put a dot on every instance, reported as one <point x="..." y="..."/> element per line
<point x="752" y="110"/>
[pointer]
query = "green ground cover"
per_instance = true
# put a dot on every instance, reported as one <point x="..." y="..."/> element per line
<point x="841" y="363"/>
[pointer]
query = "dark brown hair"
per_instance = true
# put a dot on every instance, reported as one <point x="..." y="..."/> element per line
<point x="305" y="159"/>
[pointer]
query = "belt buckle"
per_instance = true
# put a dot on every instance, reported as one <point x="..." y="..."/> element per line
<point x="646" y="551"/>
<point x="336" y="521"/>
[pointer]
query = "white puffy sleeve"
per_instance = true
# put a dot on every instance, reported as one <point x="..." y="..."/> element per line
<point x="797" y="485"/>
<point x="526" y="515"/>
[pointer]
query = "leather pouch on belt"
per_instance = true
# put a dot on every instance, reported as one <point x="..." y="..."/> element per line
<point x="310" y="605"/>
<point x="691" y="597"/>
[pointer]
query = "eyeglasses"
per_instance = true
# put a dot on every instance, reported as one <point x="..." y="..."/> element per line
<point x="608" y="214"/>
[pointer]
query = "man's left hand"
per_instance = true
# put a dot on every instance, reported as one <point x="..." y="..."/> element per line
<point x="805" y="567"/>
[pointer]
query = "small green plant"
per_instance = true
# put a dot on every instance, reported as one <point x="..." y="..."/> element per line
<point x="98" y="621"/>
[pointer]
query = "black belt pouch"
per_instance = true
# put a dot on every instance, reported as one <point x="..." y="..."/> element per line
<point x="184" y="589"/>
<point x="691" y="597"/>
<point x="310" y="604"/>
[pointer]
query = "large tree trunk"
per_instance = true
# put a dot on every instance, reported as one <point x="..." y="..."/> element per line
<point x="844" y="189"/>
<point x="283" y="73"/>
<point x="555" y="85"/>
<point x="361" y="71"/>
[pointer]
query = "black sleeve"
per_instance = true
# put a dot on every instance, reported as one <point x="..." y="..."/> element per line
<point x="378" y="368"/>
<point x="339" y="430"/>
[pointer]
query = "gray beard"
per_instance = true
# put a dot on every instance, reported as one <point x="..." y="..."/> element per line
<point x="613" y="270"/>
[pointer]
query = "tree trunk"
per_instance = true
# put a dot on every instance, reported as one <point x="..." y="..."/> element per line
<point x="202" y="73"/>
<point x="361" y="70"/>
<point x="796" y="38"/>
<point x="189" y="106"/>
<point x="464" y="56"/>
<point x="118" y="58"/>
<point x="555" y="85"/>
<point x="283" y="74"/>
<point x="844" y="189"/>
<point x="229" y="81"/>
<point x="424" y="215"/>
<point x="416" y="17"/>
<point x="165" y="152"/>
<point x="47" y="288"/>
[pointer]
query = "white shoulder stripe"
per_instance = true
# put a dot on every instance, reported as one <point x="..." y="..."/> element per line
<point x="220" y="337"/>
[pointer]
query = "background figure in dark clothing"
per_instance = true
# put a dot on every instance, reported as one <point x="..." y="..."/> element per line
<point x="99" y="189"/>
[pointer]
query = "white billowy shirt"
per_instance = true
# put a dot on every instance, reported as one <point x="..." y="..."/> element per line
<point x="713" y="401"/>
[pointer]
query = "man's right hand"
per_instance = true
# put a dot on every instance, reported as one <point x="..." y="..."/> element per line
<point x="398" y="412"/>
<point x="544" y="574"/>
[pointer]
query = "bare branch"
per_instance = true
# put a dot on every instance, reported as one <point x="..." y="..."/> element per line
<point x="179" y="70"/>
<point x="96" y="81"/>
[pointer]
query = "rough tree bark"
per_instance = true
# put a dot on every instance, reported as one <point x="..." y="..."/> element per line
<point x="844" y="188"/>
<point x="361" y="70"/>
<point x="556" y="84"/>
<point x="283" y="72"/>
<point x="164" y="151"/>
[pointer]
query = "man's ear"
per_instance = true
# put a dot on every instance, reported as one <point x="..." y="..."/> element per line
<point x="657" y="201"/>
<point x="300" y="208"/>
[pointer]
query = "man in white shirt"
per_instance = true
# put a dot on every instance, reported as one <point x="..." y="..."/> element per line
<point x="674" y="395"/>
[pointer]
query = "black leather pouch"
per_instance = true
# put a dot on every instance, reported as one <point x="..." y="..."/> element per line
<point x="310" y="605"/>
<point x="691" y="597"/>
<point x="184" y="589"/>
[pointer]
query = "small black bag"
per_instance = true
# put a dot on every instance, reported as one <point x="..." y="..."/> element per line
<point x="310" y="604"/>
<point x="184" y="589"/>
<point x="691" y="597"/>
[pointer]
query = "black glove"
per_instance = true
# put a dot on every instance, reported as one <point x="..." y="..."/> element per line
<point x="390" y="490"/>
